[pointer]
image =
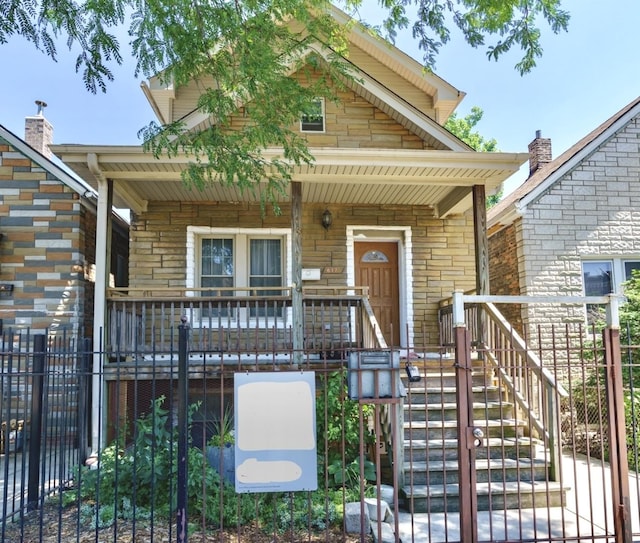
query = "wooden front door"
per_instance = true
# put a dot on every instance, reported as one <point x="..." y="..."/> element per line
<point x="376" y="267"/>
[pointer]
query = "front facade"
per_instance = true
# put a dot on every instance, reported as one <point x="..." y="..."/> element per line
<point x="372" y="238"/>
<point x="398" y="186"/>
<point x="573" y="227"/>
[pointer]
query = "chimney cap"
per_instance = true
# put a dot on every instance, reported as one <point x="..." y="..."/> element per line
<point x="538" y="132"/>
<point x="41" y="105"/>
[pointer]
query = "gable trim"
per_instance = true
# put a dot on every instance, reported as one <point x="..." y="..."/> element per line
<point x="576" y="159"/>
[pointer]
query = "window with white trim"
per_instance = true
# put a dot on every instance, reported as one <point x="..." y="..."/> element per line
<point x="313" y="120"/>
<point x="602" y="277"/>
<point x="242" y="262"/>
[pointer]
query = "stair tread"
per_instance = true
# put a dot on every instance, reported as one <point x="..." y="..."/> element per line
<point x="492" y="423"/>
<point x="495" y="442"/>
<point x="451" y="389"/>
<point x="514" y="487"/>
<point x="481" y="464"/>
<point x="453" y="405"/>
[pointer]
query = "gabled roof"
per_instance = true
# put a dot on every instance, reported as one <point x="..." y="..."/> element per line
<point x="510" y="207"/>
<point x="23" y="147"/>
<point x="371" y="56"/>
<point x="441" y="176"/>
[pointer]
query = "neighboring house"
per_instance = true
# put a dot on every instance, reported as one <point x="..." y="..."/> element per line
<point x="388" y="206"/>
<point x="47" y="244"/>
<point x="573" y="227"/>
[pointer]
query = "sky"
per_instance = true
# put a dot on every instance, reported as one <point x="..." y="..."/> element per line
<point x="584" y="76"/>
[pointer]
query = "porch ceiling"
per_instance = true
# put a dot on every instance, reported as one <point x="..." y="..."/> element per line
<point x="441" y="179"/>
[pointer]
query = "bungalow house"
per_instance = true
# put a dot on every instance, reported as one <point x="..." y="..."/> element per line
<point x="573" y="227"/>
<point x="386" y="223"/>
<point x="47" y="237"/>
<point x="387" y="205"/>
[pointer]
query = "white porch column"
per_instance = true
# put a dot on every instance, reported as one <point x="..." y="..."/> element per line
<point x="102" y="268"/>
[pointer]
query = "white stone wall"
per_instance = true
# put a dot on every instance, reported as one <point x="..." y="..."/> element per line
<point x="592" y="212"/>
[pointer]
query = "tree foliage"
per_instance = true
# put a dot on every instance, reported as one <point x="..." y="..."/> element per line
<point x="241" y="55"/>
<point x="463" y="128"/>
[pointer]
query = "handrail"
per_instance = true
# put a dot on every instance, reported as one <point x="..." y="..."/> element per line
<point x="507" y="352"/>
<point x="520" y="345"/>
<point x="371" y="329"/>
<point x="147" y="291"/>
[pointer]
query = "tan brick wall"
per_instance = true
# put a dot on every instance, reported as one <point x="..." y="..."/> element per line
<point x="353" y="122"/>
<point x="443" y="254"/>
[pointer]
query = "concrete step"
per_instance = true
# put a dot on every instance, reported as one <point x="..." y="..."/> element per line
<point x="436" y="394"/>
<point x="419" y="450"/>
<point x="496" y="470"/>
<point x="448" y="429"/>
<point x="490" y="496"/>
<point x="449" y="411"/>
<point x="447" y="378"/>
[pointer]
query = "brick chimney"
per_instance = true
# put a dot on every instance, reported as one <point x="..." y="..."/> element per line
<point x="539" y="152"/>
<point x="38" y="132"/>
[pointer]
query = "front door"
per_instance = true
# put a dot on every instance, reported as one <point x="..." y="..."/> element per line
<point x="376" y="267"/>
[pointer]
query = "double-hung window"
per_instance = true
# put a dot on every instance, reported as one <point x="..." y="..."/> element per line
<point x="602" y="277"/>
<point x="313" y="120"/>
<point x="238" y="262"/>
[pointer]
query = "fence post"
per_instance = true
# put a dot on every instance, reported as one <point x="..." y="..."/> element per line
<point x="617" y="435"/>
<point x="84" y="406"/>
<point x="553" y="426"/>
<point x="183" y="391"/>
<point x="35" y="430"/>
<point x="466" y="448"/>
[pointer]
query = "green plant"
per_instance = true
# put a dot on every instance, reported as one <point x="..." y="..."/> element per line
<point x="350" y="474"/>
<point x="338" y="419"/>
<point x="140" y="478"/>
<point x="223" y="429"/>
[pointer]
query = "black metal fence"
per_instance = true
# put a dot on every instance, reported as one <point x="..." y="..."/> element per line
<point x="164" y="470"/>
<point x="44" y="397"/>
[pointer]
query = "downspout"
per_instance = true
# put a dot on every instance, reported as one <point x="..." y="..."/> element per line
<point x="103" y="257"/>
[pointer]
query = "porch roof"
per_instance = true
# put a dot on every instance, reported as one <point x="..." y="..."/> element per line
<point x="440" y="179"/>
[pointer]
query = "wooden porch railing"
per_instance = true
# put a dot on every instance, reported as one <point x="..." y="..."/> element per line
<point x="235" y="322"/>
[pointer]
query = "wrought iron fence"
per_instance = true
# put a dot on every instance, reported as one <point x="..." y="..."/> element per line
<point x="132" y="488"/>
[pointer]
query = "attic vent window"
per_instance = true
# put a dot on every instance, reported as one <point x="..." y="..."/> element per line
<point x="313" y="119"/>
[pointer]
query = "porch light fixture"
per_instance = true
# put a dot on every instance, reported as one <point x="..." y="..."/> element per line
<point x="327" y="219"/>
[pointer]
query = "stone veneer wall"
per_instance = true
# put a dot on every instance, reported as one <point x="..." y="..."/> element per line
<point x="41" y="251"/>
<point x="443" y="250"/>
<point x="353" y="122"/>
<point x="592" y="212"/>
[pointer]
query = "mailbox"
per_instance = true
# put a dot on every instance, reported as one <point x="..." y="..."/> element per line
<point x="371" y="369"/>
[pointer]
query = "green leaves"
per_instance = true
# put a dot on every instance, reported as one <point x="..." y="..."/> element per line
<point x="515" y="24"/>
<point x="256" y="65"/>
<point x="463" y="128"/>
